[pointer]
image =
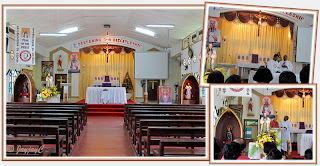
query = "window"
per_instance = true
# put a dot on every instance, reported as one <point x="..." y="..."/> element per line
<point x="12" y="77"/>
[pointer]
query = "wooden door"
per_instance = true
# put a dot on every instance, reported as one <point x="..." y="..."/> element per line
<point x="153" y="89"/>
<point x="60" y="78"/>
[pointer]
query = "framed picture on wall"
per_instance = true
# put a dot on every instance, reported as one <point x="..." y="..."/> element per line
<point x="46" y="68"/>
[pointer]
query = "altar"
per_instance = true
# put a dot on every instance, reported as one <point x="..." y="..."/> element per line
<point x="275" y="79"/>
<point x="304" y="142"/>
<point x="106" y="95"/>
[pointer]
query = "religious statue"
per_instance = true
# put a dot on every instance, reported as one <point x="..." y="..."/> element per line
<point x="211" y="58"/>
<point x="264" y="123"/>
<point x="59" y="63"/>
<point x="49" y="80"/>
<point x="188" y="94"/>
<point x="229" y="134"/>
<point x="250" y="105"/>
<point x="25" y="90"/>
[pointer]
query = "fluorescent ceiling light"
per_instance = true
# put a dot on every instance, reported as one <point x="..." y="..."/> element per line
<point x="145" y="31"/>
<point x="160" y="25"/>
<point x="69" y="30"/>
<point x="52" y="34"/>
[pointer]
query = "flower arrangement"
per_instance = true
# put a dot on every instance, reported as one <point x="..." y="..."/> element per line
<point x="222" y="70"/>
<point x="48" y="92"/>
<point x="261" y="138"/>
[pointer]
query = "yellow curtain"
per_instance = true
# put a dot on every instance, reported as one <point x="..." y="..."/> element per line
<point x="96" y="65"/>
<point x="294" y="109"/>
<point x="243" y="39"/>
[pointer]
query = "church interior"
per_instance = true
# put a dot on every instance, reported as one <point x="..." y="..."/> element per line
<point x="258" y="116"/>
<point x="242" y="40"/>
<point x="104" y="82"/>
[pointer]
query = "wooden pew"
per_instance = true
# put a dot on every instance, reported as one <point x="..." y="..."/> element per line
<point x="82" y="106"/>
<point x="40" y="129"/>
<point x="138" y="117"/>
<point x="79" y="114"/>
<point x="70" y="116"/>
<point x="79" y="122"/>
<point x="180" y="143"/>
<point x="62" y="123"/>
<point x="128" y="112"/>
<point x="191" y="132"/>
<point x="18" y="142"/>
<point x="156" y="111"/>
<point x="145" y="123"/>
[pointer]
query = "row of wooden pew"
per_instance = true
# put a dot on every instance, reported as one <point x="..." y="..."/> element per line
<point x="51" y="128"/>
<point x="166" y="130"/>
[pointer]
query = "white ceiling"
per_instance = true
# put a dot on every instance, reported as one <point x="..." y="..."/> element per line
<point x="122" y="21"/>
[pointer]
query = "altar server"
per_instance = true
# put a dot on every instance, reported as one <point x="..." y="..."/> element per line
<point x="273" y="65"/>
<point x="285" y="134"/>
<point x="285" y="65"/>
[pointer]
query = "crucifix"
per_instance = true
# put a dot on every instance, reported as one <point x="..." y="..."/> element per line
<point x="60" y="80"/>
<point x="153" y="83"/>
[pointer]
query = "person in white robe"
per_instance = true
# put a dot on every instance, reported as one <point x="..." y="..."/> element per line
<point x="285" y="65"/>
<point x="286" y="128"/>
<point x="273" y="65"/>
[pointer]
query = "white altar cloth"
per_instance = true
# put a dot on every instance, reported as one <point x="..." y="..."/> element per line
<point x="274" y="75"/>
<point x="304" y="142"/>
<point x="114" y="95"/>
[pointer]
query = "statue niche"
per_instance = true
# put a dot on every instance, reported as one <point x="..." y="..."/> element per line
<point x="24" y="89"/>
<point x="188" y="90"/>
<point x="228" y="127"/>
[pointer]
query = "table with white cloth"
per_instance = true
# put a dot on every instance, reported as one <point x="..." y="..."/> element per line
<point x="304" y="142"/>
<point x="275" y="79"/>
<point x="244" y="67"/>
<point x="113" y="84"/>
<point x="294" y="134"/>
<point x="106" y="95"/>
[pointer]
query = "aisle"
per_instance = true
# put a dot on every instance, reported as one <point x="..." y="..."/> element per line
<point x="103" y="136"/>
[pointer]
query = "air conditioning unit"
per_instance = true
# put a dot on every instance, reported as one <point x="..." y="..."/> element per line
<point x="10" y="31"/>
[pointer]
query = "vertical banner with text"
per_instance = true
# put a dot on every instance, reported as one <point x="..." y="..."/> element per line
<point x="25" y="45"/>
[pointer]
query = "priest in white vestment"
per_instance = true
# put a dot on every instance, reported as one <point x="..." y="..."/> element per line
<point x="285" y="134"/>
<point x="273" y="65"/>
<point x="285" y="65"/>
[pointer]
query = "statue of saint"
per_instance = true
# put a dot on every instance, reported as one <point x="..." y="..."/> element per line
<point x="188" y="94"/>
<point x="59" y="62"/>
<point x="49" y="80"/>
<point x="250" y="106"/>
<point x="25" y="90"/>
<point x="229" y="134"/>
<point x="264" y="123"/>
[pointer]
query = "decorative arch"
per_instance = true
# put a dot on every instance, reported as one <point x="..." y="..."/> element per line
<point x="22" y="78"/>
<point x="51" y="59"/>
<point x="189" y="78"/>
<point x="228" y="117"/>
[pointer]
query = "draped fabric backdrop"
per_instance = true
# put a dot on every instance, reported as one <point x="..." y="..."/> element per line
<point x="96" y="65"/>
<point x="242" y="38"/>
<point x="293" y="108"/>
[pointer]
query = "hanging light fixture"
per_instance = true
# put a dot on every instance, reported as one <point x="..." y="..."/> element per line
<point x="237" y="20"/>
<point x="285" y="95"/>
<point x="278" y="25"/>
<point x="122" y="51"/>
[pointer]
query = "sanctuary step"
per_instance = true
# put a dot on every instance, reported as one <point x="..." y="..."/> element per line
<point x="106" y="109"/>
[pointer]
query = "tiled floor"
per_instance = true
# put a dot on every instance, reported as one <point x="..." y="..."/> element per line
<point x="103" y="136"/>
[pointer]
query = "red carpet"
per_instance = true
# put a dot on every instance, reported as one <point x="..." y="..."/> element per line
<point x="106" y="109"/>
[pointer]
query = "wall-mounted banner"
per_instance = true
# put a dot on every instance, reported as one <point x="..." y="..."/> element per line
<point x="242" y="92"/>
<point x="110" y="40"/>
<point x="25" y="45"/>
<point x="74" y="62"/>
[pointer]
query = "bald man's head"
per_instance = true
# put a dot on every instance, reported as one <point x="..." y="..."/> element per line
<point x="242" y="143"/>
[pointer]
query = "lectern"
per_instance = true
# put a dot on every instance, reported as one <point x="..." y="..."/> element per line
<point x="65" y="91"/>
